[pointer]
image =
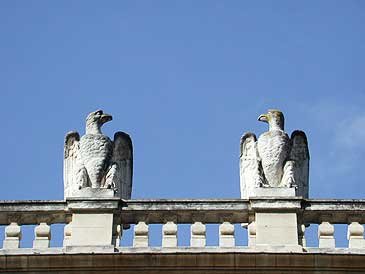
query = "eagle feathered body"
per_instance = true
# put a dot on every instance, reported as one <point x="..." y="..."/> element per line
<point x="274" y="160"/>
<point x="95" y="161"/>
<point x="96" y="151"/>
<point x="273" y="147"/>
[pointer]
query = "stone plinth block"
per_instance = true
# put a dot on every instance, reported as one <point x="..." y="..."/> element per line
<point x="277" y="229"/>
<point x="89" y="192"/>
<point x="273" y="192"/>
<point x="92" y="229"/>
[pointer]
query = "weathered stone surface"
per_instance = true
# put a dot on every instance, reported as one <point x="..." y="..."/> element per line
<point x="186" y="262"/>
<point x="92" y="229"/>
<point x="274" y="159"/>
<point x="277" y="229"/>
<point x="87" y="249"/>
<point x="94" y="161"/>
<point x="273" y="192"/>
<point x="94" y="192"/>
<point x="158" y="210"/>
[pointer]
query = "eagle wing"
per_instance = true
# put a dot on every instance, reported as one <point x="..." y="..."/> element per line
<point x="71" y="151"/>
<point x="251" y="175"/>
<point x="300" y="155"/>
<point x="123" y="158"/>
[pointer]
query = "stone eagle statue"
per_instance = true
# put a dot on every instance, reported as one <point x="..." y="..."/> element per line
<point x="94" y="161"/>
<point x="274" y="160"/>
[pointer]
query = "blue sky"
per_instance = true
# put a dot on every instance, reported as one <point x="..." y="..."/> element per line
<point x="185" y="79"/>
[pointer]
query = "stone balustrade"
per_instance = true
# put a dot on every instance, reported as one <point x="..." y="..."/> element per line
<point x="172" y="213"/>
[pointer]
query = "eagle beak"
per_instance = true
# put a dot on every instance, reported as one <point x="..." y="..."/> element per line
<point x="263" y="118"/>
<point x="106" y="118"/>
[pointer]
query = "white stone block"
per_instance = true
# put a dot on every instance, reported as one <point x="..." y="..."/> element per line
<point x="140" y="235"/>
<point x="272" y="192"/>
<point x="93" y="192"/>
<point x="11" y="243"/>
<point x="169" y="237"/>
<point x="276" y="229"/>
<point x="327" y="242"/>
<point x="13" y="236"/>
<point x="92" y="229"/>
<point x="198" y="232"/>
<point x="226" y="235"/>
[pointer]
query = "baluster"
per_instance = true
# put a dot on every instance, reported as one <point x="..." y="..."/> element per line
<point x="301" y="235"/>
<point x="118" y="231"/>
<point x="355" y="235"/>
<point x="326" y="235"/>
<point x="252" y="234"/>
<point x="169" y="237"/>
<point x="13" y="235"/>
<point x="140" y="235"/>
<point x="226" y="235"/>
<point x="67" y="231"/>
<point x="42" y="234"/>
<point x="198" y="233"/>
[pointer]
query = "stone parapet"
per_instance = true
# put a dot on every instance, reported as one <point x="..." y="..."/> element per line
<point x="99" y="222"/>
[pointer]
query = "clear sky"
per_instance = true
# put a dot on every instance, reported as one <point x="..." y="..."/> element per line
<point x="185" y="79"/>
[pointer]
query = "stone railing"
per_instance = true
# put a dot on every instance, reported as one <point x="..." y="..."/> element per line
<point x="99" y="222"/>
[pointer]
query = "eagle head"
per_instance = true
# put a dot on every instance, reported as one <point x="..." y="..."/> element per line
<point x="274" y="118"/>
<point x="95" y="120"/>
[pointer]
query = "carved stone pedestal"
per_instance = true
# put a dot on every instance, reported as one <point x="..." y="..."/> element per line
<point x="93" y="192"/>
<point x="272" y="192"/>
<point x="275" y="228"/>
<point x="277" y="231"/>
<point x="92" y="227"/>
